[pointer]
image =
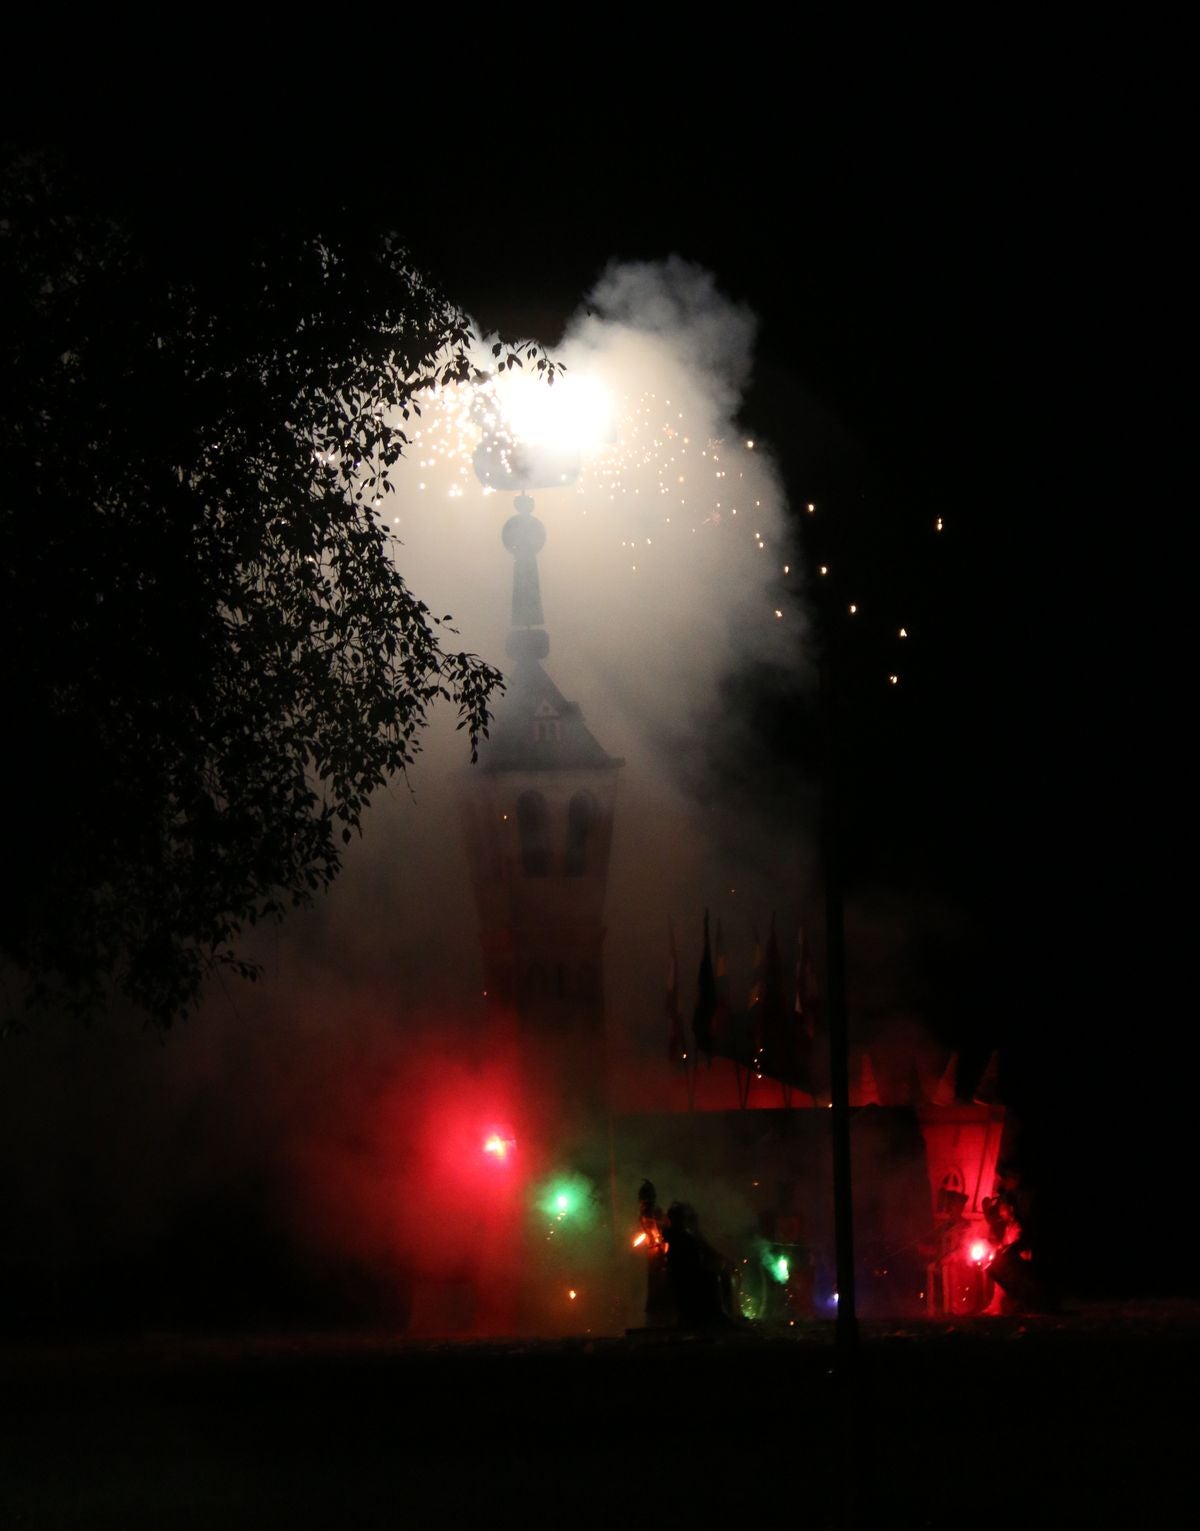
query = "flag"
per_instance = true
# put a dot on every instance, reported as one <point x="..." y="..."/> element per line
<point x="946" y="1090"/>
<point x="805" y="1016"/>
<point x="808" y="999"/>
<point x="987" y="1091"/>
<point x="676" y="1043"/>
<point x="754" y="1006"/>
<point x="868" y="1088"/>
<point x="722" y="1025"/>
<point x="706" y="999"/>
<point x="776" y="1031"/>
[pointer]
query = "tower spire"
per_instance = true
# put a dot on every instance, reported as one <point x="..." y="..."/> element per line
<point x="524" y="536"/>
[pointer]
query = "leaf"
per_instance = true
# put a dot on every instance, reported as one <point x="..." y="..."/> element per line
<point x="243" y="631"/>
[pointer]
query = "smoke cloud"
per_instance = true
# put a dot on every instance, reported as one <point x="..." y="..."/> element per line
<point x="319" y="1124"/>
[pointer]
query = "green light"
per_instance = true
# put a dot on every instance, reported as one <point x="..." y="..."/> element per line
<point x="779" y="1268"/>
<point x="567" y="1198"/>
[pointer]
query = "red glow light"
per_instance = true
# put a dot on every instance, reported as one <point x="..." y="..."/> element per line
<point x="497" y="1146"/>
<point x="979" y="1252"/>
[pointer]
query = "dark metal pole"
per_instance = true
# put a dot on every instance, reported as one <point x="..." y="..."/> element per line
<point x="845" y="1474"/>
<point x="846" y="1333"/>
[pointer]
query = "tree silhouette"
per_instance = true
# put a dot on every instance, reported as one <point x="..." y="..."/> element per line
<point x="213" y="660"/>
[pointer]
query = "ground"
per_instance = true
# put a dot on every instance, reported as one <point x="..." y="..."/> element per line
<point x="1079" y="1420"/>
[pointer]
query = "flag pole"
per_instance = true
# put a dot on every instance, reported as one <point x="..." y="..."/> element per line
<point x="846" y="1322"/>
<point x="846" y="1333"/>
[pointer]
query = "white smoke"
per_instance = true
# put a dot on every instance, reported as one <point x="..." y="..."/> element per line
<point x="661" y="578"/>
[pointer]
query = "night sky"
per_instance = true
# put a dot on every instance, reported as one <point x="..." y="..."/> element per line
<point x="956" y="321"/>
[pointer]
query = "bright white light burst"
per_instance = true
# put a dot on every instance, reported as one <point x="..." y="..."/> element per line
<point x="575" y="414"/>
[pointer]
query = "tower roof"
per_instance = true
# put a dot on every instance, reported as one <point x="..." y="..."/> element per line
<point x="537" y="729"/>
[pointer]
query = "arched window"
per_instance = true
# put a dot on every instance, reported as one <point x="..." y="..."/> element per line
<point x="531" y="828"/>
<point x="546" y="725"/>
<point x="581" y="819"/>
<point x="951" y="1193"/>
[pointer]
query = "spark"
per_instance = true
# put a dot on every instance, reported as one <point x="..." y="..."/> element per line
<point x="626" y="444"/>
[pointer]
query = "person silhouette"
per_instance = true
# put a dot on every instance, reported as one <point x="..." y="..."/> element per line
<point x="699" y="1277"/>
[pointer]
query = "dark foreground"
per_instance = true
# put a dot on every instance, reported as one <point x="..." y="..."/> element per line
<point x="1083" y="1420"/>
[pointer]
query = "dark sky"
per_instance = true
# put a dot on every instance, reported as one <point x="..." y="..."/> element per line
<point x="965" y="312"/>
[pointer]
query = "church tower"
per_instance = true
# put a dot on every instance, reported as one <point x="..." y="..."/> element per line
<point x="538" y="817"/>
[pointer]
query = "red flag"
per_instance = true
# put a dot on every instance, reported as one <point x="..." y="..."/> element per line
<point x="946" y="1091"/>
<point x="754" y="1006"/>
<point x="776" y="1028"/>
<point x="722" y="1024"/>
<point x="808" y="997"/>
<point x="706" y="999"/>
<point x="805" y="1011"/>
<point x="868" y="1086"/>
<point x="676" y="1044"/>
<point x="987" y="1091"/>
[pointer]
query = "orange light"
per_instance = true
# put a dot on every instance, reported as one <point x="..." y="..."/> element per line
<point x="641" y="1239"/>
<point x="572" y="1294"/>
